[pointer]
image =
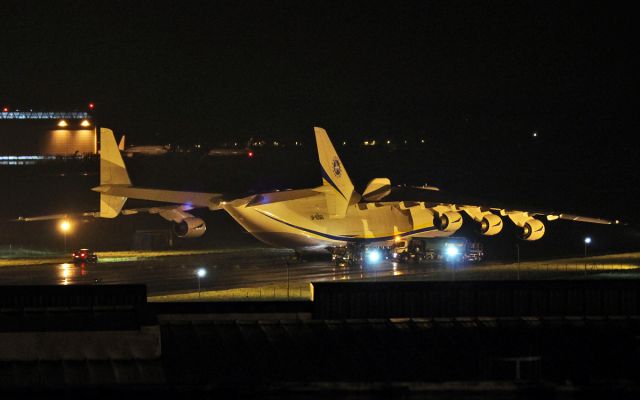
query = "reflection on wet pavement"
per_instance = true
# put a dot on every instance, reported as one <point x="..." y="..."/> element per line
<point x="238" y="268"/>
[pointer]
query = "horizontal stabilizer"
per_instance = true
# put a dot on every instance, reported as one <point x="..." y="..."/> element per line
<point x="377" y="189"/>
<point x="110" y="206"/>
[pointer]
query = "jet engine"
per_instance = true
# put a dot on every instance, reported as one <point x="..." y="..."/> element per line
<point x="533" y="229"/>
<point x="490" y="225"/>
<point x="191" y="227"/>
<point x="449" y="221"/>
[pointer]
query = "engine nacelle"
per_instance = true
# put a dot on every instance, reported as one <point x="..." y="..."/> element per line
<point x="533" y="229"/>
<point x="490" y="225"/>
<point x="190" y="228"/>
<point x="449" y="221"/>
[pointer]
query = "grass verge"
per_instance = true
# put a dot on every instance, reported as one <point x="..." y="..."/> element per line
<point x="297" y="291"/>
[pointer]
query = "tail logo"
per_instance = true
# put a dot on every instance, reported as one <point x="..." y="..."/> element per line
<point x="337" y="168"/>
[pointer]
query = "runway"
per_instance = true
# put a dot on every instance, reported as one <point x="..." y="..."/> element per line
<point x="255" y="267"/>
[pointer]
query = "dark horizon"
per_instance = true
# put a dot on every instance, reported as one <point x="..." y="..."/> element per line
<point x="278" y="68"/>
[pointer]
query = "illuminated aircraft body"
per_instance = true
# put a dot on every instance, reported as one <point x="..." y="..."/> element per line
<point x="328" y="216"/>
<point x="221" y="151"/>
<point x="148" y="150"/>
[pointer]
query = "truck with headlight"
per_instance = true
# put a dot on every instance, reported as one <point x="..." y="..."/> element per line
<point x="451" y="249"/>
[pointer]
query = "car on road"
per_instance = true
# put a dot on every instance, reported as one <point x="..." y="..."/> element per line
<point x="84" y="255"/>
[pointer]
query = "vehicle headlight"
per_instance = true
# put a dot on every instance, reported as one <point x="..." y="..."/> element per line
<point x="374" y="256"/>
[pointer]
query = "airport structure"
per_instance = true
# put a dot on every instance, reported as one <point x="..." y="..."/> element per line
<point x="29" y="136"/>
<point x="383" y="339"/>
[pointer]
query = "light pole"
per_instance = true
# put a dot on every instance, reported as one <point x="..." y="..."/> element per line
<point x="587" y="241"/>
<point x="65" y="227"/>
<point x="201" y="273"/>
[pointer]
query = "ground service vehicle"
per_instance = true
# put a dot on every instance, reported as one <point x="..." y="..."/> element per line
<point x="455" y="249"/>
<point x="359" y="255"/>
<point x="84" y="255"/>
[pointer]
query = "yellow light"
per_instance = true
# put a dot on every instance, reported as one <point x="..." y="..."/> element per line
<point x="65" y="273"/>
<point x="65" y="226"/>
<point x="85" y="123"/>
<point x="62" y="123"/>
<point x="397" y="238"/>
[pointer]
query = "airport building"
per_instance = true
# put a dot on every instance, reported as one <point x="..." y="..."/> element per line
<point x="28" y="136"/>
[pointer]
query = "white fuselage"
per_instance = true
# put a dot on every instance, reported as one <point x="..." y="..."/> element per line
<point x="146" y="150"/>
<point x="301" y="219"/>
<point x="228" y="152"/>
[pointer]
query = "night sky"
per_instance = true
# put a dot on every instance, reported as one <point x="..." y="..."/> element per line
<point x="475" y="79"/>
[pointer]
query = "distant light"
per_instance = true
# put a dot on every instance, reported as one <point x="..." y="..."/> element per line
<point x="422" y="141"/>
<point x="366" y="142"/>
<point x="451" y="251"/>
<point x="373" y="256"/>
<point x="397" y="238"/>
<point x="201" y="272"/>
<point x="388" y="141"/>
<point x="587" y="240"/>
<point x="65" y="226"/>
<point x="6" y="109"/>
<point x="534" y="134"/>
<point x="250" y="154"/>
<point x="344" y="143"/>
<point x="91" y="106"/>
<point x="85" y="123"/>
<point x="62" y="123"/>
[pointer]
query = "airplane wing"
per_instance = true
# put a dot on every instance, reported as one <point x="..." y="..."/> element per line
<point x="175" y="213"/>
<point x="433" y="198"/>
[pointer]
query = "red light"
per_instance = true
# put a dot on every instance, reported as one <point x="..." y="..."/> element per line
<point x="250" y="154"/>
<point x="6" y="109"/>
<point x="91" y="106"/>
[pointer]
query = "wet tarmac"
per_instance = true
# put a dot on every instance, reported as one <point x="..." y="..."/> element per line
<point x="253" y="267"/>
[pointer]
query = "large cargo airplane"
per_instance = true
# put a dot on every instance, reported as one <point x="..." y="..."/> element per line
<point x="332" y="215"/>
